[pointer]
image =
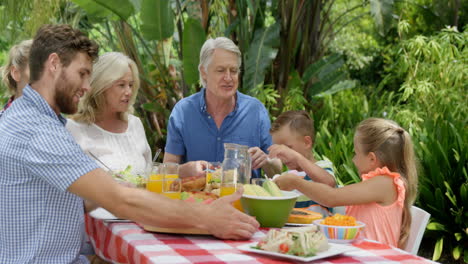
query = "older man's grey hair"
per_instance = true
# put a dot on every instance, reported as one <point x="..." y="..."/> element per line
<point x="208" y="48"/>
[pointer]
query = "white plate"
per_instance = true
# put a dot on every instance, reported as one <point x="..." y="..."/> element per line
<point x="103" y="214"/>
<point x="297" y="224"/>
<point x="334" y="249"/>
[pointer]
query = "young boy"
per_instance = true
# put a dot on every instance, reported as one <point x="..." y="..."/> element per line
<point x="293" y="136"/>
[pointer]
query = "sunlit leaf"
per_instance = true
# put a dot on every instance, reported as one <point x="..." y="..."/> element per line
<point x="456" y="252"/>
<point x="193" y="38"/>
<point x="438" y="248"/>
<point x="436" y="226"/>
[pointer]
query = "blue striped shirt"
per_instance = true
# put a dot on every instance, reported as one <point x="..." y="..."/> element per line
<point x="40" y="221"/>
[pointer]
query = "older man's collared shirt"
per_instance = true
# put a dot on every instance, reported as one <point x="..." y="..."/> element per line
<point x="40" y="221"/>
<point x="193" y="134"/>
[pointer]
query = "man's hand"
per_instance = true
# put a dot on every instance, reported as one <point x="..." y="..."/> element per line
<point x="287" y="155"/>
<point x="287" y="181"/>
<point x="259" y="158"/>
<point x="193" y="168"/>
<point x="226" y="222"/>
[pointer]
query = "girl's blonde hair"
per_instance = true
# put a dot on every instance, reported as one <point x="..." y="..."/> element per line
<point x="18" y="57"/>
<point x="109" y="68"/>
<point x="393" y="147"/>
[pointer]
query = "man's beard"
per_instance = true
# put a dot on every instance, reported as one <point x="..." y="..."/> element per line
<point x="64" y="92"/>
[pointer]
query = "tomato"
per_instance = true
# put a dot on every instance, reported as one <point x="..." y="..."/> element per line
<point x="283" y="248"/>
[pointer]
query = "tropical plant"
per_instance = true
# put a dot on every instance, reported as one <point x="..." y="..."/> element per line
<point x="436" y="72"/>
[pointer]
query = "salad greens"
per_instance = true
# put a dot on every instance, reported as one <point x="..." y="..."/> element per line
<point x="137" y="180"/>
<point x="301" y="241"/>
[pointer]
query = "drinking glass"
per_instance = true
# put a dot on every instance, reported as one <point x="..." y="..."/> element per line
<point x="155" y="178"/>
<point x="172" y="188"/>
<point x="172" y="184"/>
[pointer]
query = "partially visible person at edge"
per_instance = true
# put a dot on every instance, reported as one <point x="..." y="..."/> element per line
<point x="200" y="124"/>
<point x="104" y="124"/>
<point x="384" y="157"/>
<point x="47" y="182"/>
<point x="15" y="74"/>
<point x="293" y="136"/>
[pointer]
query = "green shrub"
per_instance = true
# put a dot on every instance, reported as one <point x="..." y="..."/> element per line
<point x="431" y="105"/>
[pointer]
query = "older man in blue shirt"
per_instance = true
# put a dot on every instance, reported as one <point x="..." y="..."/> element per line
<point x="199" y="125"/>
<point x="44" y="174"/>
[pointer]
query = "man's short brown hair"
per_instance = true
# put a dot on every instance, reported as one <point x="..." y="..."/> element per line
<point x="61" y="39"/>
<point x="298" y="121"/>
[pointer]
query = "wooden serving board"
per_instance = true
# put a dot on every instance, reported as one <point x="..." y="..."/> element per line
<point x="189" y="231"/>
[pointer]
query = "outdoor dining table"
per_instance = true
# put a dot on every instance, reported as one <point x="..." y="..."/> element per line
<point x="128" y="242"/>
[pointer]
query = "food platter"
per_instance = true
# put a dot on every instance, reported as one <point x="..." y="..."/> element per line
<point x="187" y="231"/>
<point x="334" y="249"/>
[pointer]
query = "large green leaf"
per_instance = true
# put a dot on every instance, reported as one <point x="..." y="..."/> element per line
<point x="107" y="8"/>
<point x="326" y="82"/>
<point x="323" y="67"/>
<point x="158" y="19"/>
<point x="193" y="38"/>
<point x="382" y="11"/>
<point x="324" y="74"/>
<point x="342" y="85"/>
<point x="261" y="53"/>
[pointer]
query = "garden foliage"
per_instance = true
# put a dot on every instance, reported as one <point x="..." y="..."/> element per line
<point x="342" y="60"/>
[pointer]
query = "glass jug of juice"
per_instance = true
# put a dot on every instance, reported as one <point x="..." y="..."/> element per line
<point x="236" y="170"/>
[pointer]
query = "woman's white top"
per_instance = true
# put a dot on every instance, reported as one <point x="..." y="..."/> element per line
<point x="116" y="150"/>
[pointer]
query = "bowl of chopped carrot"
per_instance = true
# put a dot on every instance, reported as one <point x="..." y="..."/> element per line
<point x="340" y="228"/>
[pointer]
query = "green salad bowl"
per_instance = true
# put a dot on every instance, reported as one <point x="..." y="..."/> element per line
<point x="269" y="211"/>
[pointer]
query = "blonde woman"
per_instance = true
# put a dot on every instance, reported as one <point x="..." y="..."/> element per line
<point x="15" y="73"/>
<point x="104" y="124"/>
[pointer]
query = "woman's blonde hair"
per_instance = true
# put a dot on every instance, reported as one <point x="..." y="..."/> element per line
<point x="109" y="68"/>
<point x="393" y="147"/>
<point x="18" y="57"/>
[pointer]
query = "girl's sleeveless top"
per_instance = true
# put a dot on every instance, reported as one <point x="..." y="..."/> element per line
<point x="383" y="223"/>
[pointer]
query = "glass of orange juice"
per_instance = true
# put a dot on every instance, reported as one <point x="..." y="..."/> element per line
<point x="155" y="178"/>
<point x="229" y="186"/>
<point x="172" y="184"/>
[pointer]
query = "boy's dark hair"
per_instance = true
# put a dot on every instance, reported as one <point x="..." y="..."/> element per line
<point x="61" y="39"/>
<point x="298" y="121"/>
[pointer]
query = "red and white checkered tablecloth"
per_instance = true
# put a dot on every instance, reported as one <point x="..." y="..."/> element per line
<point x="130" y="243"/>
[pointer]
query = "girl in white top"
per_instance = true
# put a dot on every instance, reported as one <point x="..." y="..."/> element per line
<point x="104" y="124"/>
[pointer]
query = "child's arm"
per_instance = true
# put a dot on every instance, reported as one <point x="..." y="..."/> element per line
<point x="295" y="160"/>
<point x="379" y="189"/>
<point x="316" y="173"/>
